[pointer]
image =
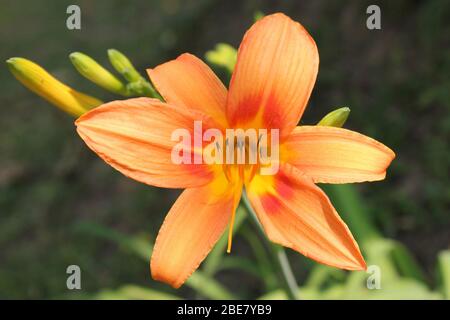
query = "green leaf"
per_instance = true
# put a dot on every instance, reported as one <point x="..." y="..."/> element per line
<point x="379" y="252"/>
<point x="320" y="274"/>
<point x="201" y="283"/>
<point x="223" y="55"/>
<point x="140" y="247"/>
<point x="305" y="292"/>
<point x="400" y="289"/>
<point x="406" y="263"/>
<point x="208" y="287"/>
<point x="444" y="272"/>
<point x="239" y="263"/>
<point x="258" y="15"/>
<point x="349" y="204"/>
<point x="262" y="259"/>
<point x="133" y="292"/>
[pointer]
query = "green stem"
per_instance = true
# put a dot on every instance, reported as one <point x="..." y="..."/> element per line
<point x="277" y="254"/>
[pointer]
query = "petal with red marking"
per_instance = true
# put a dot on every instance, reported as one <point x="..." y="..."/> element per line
<point x="275" y="72"/>
<point x="192" y="227"/>
<point x="188" y="81"/>
<point x="297" y="214"/>
<point x="135" y="137"/>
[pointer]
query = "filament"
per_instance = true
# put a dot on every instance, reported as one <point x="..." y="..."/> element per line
<point x="230" y="231"/>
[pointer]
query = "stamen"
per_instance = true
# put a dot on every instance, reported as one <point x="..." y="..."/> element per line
<point x="241" y="173"/>
<point x="230" y="231"/>
<point x="253" y="171"/>
<point x="227" y="171"/>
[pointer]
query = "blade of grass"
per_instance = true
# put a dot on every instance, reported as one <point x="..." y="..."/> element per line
<point x="133" y="292"/>
<point x="263" y="262"/>
<point x="406" y="263"/>
<point x="205" y="285"/>
<point x="349" y="204"/>
<point x="240" y="263"/>
<point x="321" y="274"/>
<point x="444" y="271"/>
<point x="208" y="287"/>
<point x="136" y="245"/>
<point x="277" y="254"/>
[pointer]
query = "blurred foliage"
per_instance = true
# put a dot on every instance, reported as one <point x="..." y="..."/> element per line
<point x="60" y="205"/>
<point x="223" y="55"/>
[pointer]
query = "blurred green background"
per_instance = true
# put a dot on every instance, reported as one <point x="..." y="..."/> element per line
<point x="61" y="205"/>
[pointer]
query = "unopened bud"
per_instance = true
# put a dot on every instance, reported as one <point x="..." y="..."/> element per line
<point x="38" y="80"/>
<point x="335" y="118"/>
<point x="93" y="71"/>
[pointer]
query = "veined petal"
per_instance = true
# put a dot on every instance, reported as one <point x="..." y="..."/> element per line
<point x="275" y="72"/>
<point x="336" y="155"/>
<point x="188" y="81"/>
<point x="135" y="137"/>
<point x="192" y="227"/>
<point x="297" y="214"/>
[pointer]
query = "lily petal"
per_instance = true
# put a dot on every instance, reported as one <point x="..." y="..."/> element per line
<point x="188" y="81"/>
<point x="191" y="228"/>
<point x="275" y="72"/>
<point x="336" y="155"/>
<point x="297" y="214"/>
<point x="134" y="137"/>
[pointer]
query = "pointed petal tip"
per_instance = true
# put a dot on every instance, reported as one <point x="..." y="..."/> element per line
<point x="392" y="153"/>
<point x="351" y="157"/>
<point x="297" y="214"/>
<point x="359" y="262"/>
<point x="282" y="16"/>
<point x="161" y="278"/>
<point x="11" y="61"/>
<point x="185" y="239"/>
<point x="355" y="262"/>
<point x="276" y="15"/>
<point x="359" y="266"/>
<point x="187" y="81"/>
<point x="364" y="266"/>
<point x="280" y="49"/>
<point x="78" y="121"/>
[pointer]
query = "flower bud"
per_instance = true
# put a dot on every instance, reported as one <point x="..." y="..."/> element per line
<point x="123" y="65"/>
<point x="91" y="70"/>
<point x="335" y="118"/>
<point x="45" y="85"/>
<point x="223" y="55"/>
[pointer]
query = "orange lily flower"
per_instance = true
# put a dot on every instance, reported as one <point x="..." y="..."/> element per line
<point x="276" y="69"/>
